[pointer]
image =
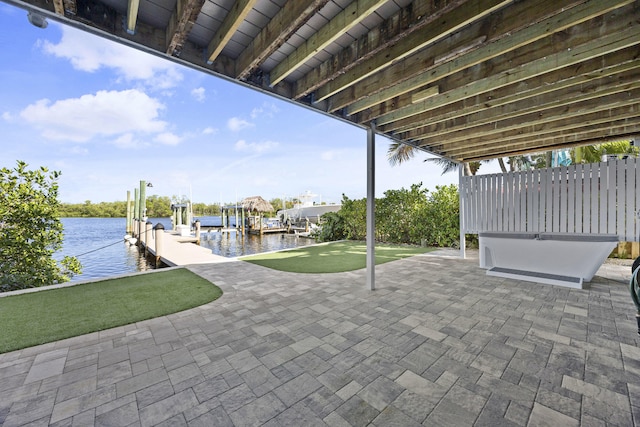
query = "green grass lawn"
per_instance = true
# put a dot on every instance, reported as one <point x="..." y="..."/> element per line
<point x="41" y="317"/>
<point x="332" y="258"/>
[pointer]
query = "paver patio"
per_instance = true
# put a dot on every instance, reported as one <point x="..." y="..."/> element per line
<point x="438" y="343"/>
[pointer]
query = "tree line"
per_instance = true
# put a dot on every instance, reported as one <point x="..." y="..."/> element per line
<point x="157" y="207"/>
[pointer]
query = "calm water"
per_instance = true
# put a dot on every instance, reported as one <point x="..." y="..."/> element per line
<point x="99" y="245"/>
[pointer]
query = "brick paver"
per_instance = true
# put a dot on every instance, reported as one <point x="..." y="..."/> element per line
<point x="438" y="343"/>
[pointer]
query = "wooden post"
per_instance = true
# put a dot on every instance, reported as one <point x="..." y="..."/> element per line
<point x="159" y="232"/>
<point x="147" y="236"/>
<point x="143" y="201"/>
<point x="243" y="221"/>
<point x="129" y="214"/>
<point x="136" y="204"/>
<point x="197" y="232"/>
<point x="260" y="219"/>
<point x="138" y="229"/>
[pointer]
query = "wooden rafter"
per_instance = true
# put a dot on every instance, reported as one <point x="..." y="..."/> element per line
<point x="562" y="125"/>
<point x="409" y="19"/>
<point x="180" y="24"/>
<point x="288" y="20"/>
<point x="566" y="17"/>
<point x="449" y="23"/>
<point x="351" y="16"/>
<point x="576" y="75"/>
<point x="530" y="108"/>
<point x="58" y="7"/>
<point x="580" y="136"/>
<point x="630" y="36"/>
<point x="132" y="15"/>
<point x="571" y="115"/>
<point x="235" y="17"/>
<point x="70" y="7"/>
<point x="628" y="131"/>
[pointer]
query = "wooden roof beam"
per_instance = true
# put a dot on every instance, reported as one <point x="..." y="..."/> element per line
<point x="566" y="17"/>
<point x="70" y="7"/>
<point x="572" y="141"/>
<point x="621" y="129"/>
<point x="287" y="21"/>
<point x="602" y="117"/>
<point x="182" y="19"/>
<point x="351" y="16"/>
<point x="612" y="42"/>
<point x="565" y="113"/>
<point x="234" y="18"/>
<point x="621" y="62"/>
<point x="58" y="7"/>
<point x="530" y="108"/>
<point x="132" y="15"/>
<point x="411" y="18"/>
<point x="449" y="23"/>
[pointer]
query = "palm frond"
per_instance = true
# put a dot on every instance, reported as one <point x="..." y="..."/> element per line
<point x="399" y="153"/>
<point x="446" y="164"/>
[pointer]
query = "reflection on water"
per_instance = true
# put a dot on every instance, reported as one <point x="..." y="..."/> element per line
<point x="235" y="244"/>
<point x="100" y="247"/>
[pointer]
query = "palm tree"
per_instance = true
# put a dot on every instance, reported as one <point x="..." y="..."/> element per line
<point x="399" y="153"/>
<point x="594" y="153"/>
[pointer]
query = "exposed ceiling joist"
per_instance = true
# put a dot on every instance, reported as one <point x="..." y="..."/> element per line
<point x="233" y="20"/>
<point x="576" y="75"/>
<point x="517" y="37"/>
<point x="288" y="20"/>
<point x="132" y="15"/>
<point x="180" y="24"/>
<point x="351" y="16"/>
<point x="608" y="43"/>
<point x="438" y="29"/>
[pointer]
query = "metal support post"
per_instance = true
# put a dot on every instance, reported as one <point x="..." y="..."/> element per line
<point x="463" y="240"/>
<point x="371" y="203"/>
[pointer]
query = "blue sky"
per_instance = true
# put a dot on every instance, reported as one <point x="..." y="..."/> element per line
<point x="108" y="116"/>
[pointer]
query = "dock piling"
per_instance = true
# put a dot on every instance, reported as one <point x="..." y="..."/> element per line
<point x="147" y="237"/>
<point x="159" y="232"/>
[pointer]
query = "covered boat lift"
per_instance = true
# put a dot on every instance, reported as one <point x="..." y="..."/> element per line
<point x="467" y="80"/>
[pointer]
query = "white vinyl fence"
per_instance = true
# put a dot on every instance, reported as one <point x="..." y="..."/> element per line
<point x="592" y="198"/>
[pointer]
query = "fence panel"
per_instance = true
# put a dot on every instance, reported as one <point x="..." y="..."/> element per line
<point x="592" y="198"/>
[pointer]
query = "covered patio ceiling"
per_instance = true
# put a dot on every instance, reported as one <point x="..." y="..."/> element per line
<point x="463" y="79"/>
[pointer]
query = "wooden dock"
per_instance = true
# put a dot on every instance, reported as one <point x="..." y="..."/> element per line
<point x="181" y="250"/>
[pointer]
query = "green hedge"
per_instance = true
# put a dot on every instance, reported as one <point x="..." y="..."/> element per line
<point x="406" y="216"/>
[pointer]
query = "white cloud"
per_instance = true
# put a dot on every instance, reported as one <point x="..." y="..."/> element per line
<point x="255" y="147"/>
<point x="91" y="53"/>
<point x="198" y="94"/>
<point x="267" y="109"/>
<point x="328" y="155"/>
<point x="210" y="131"/>
<point x="168" y="138"/>
<point x="128" y="141"/>
<point x="235" y="124"/>
<point x="107" y="113"/>
<point x="7" y="116"/>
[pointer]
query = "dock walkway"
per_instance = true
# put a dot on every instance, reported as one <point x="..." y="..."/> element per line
<point x="179" y="250"/>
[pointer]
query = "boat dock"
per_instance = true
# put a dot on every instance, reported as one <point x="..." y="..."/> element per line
<point x="176" y="249"/>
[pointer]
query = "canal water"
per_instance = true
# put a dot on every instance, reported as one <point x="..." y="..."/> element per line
<point x="100" y="247"/>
